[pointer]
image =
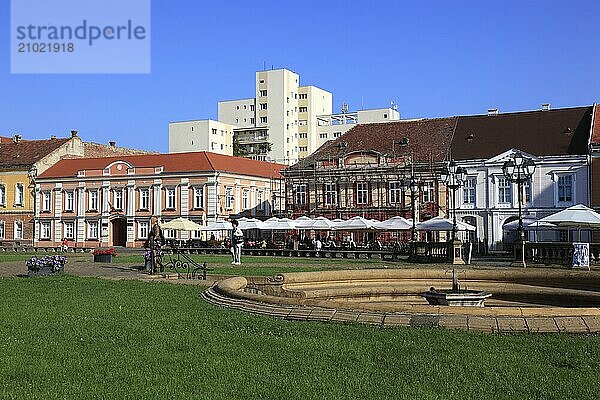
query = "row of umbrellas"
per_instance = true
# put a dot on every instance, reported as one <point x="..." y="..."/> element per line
<point x="577" y="216"/>
<point x="320" y="223"/>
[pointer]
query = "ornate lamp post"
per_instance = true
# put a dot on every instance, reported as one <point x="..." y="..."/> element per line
<point x="454" y="177"/>
<point x="414" y="185"/>
<point x="32" y="174"/>
<point x="519" y="170"/>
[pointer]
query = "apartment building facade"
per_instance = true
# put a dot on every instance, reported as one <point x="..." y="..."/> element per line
<point x="109" y="201"/>
<point x="283" y="123"/>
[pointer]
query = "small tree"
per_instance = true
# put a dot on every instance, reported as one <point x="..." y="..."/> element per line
<point x="238" y="149"/>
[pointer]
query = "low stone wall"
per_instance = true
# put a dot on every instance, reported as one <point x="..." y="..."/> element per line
<point x="324" y="295"/>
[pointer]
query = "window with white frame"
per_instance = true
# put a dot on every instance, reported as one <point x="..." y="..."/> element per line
<point x="323" y="135"/>
<point x="259" y="199"/>
<point x="2" y="230"/>
<point x="143" y="228"/>
<point x="229" y="198"/>
<point x="330" y="194"/>
<point x="171" y="198"/>
<point x="504" y="191"/>
<point x="45" y="230"/>
<point x="170" y="234"/>
<point x="362" y="192"/>
<point x="118" y="199"/>
<point x="2" y="195"/>
<point x="469" y="191"/>
<point x="565" y="188"/>
<point x="46" y="201"/>
<point x="245" y="204"/>
<point x="428" y="192"/>
<point x="93" y="230"/>
<point x="69" y="230"/>
<point x="198" y="197"/>
<point x="69" y="201"/>
<point x="197" y="234"/>
<point x="144" y="199"/>
<point x="19" y="194"/>
<point x="18" y="230"/>
<point x="263" y="120"/>
<point x="300" y="191"/>
<point x="395" y="192"/>
<point x="93" y="200"/>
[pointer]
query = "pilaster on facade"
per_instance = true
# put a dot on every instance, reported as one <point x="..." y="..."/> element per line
<point x="131" y="199"/>
<point x="157" y="197"/>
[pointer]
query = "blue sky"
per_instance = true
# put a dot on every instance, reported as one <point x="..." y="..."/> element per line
<point x="433" y="58"/>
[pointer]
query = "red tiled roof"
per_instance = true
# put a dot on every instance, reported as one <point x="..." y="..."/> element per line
<point x="172" y="163"/>
<point x="26" y="152"/>
<point x="596" y="127"/>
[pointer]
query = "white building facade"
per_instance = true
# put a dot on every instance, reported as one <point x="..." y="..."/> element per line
<point x="201" y="135"/>
<point x="489" y="201"/>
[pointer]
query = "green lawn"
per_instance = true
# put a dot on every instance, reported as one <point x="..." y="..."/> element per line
<point x="84" y="338"/>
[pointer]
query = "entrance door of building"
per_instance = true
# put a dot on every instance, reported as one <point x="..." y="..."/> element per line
<point x="119" y="232"/>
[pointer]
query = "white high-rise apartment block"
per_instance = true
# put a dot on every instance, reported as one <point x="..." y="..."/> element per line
<point x="282" y="123"/>
<point x="201" y="135"/>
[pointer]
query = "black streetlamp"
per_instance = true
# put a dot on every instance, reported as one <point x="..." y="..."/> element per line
<point x="414" y="185"/>
<point x="32" y="174"/>
<point x="519" y="170"/>
<point x="454" y="177"/>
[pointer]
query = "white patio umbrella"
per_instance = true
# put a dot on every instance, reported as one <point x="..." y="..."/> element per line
<point x="250" y="223"/>
<point x="395" y="224"/>
<point x="181" y="224"/>
<point x="303" y="222"/>
<point x="530" y="223"/>
<point x="577" y="216"/>
<point x="322" y="224"/>
<point x="443" y="224"/>
<point x="357" y="223"/>
<point x="278" y="224"/>
<point x="217" y="226"/>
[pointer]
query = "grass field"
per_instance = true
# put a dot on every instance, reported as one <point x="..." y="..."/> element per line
<point x="79" y="338"/>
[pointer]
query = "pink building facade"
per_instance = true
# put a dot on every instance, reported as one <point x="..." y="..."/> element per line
<point x="109" y="201"/>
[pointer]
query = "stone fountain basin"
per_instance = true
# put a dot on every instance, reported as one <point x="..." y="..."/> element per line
<point x="515" y="292"/>
<point x="462" y="298"/>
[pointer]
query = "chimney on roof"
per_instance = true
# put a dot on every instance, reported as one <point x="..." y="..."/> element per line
<point x="545" y="106"/>
<point x="73" y="133"/>
<point x="52" y="137"/>
<point x="112" y="143"/>
<point x="17" y="138"/>
<point x="492" y="112"/>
